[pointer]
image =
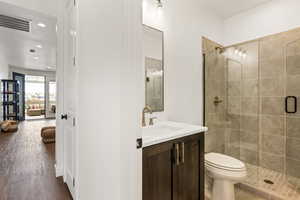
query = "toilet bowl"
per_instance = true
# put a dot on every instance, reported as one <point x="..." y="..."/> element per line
<point x="225" y="172"/>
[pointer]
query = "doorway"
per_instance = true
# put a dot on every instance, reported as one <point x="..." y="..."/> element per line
<point x="37" y="96"/>
<point x="34" y="97"/>
<point x="34" y="56"/>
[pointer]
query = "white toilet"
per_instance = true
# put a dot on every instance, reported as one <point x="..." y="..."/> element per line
<point x="225" y="172"/>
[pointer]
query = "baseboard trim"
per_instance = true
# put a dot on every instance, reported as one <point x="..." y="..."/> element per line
<point x="58" y="171"/>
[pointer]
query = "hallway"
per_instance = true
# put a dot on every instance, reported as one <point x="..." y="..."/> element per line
<point x="27" y="165"/>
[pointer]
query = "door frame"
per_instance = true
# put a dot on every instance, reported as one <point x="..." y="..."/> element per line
<point x="14" y="74"/>
<point x="70" y="177"/>
<point x="132" y="50"/>
<point x="60" y="156"/>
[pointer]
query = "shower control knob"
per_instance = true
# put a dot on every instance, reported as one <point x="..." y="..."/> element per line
<point x="217" y="101"/>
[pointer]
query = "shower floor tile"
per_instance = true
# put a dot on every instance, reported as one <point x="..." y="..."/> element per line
<point x="241" y="194"/>
<point x="284" y="187"/>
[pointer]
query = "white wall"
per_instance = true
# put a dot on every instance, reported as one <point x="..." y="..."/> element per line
<point x="3" y="67"/>
<point x="110" y="100"/>
<point x="270" y="18"/>
<point x="3" y="75"/>
<point x="183" y="25"/>
<point x="48" y="7"/>
<point x="50" y="74"/>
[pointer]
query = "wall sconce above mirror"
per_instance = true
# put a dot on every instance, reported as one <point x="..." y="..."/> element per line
<point x="154" y="68"/>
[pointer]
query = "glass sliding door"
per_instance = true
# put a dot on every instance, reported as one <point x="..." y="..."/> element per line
<point x="21" y="84"/>
<point x="35" y="97"/>
<point x="50" y="98"/>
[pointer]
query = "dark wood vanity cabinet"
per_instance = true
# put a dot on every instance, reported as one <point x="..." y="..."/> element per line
<point x="174" y="170"/>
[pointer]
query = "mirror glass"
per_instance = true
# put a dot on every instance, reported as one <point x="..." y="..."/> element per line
<point x="154" y="68"/>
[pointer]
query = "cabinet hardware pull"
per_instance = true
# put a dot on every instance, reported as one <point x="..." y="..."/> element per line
<point x="177" y="154"/>
<point x="182" y="152"/>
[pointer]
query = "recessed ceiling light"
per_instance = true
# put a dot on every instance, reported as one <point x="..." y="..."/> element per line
<point x="39" y="46"/>
<point x="41" y="25"/>
<point x="35" y="58"/>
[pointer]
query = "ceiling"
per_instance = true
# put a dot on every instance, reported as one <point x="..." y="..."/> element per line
<point x="229" y="8"/>
<point x="16" y="45"/>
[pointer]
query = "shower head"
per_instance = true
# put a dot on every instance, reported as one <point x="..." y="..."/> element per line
<point x="220" y="49"/>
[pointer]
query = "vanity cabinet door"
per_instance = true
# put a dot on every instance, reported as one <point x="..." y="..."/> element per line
<point x="188" y="176"/>
<point x="157" y="172"/>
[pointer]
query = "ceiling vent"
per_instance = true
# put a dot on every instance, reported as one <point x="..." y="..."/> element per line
<point x="15" y="23"/>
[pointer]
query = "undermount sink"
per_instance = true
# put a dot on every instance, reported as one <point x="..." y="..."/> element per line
<point x="164" y="131"/>
<point x="158" y="130"/>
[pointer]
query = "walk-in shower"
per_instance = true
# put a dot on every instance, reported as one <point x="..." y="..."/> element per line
<point x="256" y="118"/>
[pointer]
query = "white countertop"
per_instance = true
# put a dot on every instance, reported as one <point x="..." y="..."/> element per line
<point x="164" y="131"/>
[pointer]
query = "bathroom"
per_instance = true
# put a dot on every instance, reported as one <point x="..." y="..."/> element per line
<point x="251" y="86"/>
<point x="169" y="100"/>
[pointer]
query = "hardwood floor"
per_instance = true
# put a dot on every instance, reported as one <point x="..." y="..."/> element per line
<point x="27" y="165"/>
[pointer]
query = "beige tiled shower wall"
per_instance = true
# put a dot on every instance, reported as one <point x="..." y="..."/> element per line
<point x="243" y="102"/>
<point x="215" y="86"/>
<point x="259" y="131"/>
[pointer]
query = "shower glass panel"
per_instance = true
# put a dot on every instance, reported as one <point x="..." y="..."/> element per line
<point x="215" y="97"/>
<point x="292" y="158"/>
<point x="242" y="109"/>
<point x="252" y="109"/>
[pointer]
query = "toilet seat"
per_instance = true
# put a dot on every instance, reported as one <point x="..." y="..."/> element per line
<point x="224" y="162"/>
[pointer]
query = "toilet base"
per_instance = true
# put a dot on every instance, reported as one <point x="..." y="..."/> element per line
<point x="223" y="190"/>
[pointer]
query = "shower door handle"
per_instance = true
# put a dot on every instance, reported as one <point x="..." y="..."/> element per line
<point x="295" y="104"/>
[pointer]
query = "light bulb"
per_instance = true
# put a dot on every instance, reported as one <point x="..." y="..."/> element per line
<point x="40" y="24"/>
<point x="236" y="51"/>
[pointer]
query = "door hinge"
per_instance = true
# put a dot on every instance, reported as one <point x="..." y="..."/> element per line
<point x="139" y="143"/>
<point x="74" y="2"/>
<point x="74" y="121"/>
<point x="73" y="182"/>
<point x="74" y="61"/>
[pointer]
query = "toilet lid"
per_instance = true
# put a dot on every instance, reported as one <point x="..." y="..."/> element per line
<point x="223" y="161"/>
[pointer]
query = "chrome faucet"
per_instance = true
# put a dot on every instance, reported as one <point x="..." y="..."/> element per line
<point x="147" y="109"/>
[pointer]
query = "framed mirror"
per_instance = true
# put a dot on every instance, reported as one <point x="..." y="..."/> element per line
<point x="154" y="68"/>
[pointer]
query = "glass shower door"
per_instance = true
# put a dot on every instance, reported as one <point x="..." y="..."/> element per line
<point x="292" y="106"/>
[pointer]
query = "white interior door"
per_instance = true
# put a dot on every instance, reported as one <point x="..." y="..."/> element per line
<point x="70" y="81"/>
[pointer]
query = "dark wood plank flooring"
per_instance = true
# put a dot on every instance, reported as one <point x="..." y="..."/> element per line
<point x="27" y="165"/>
